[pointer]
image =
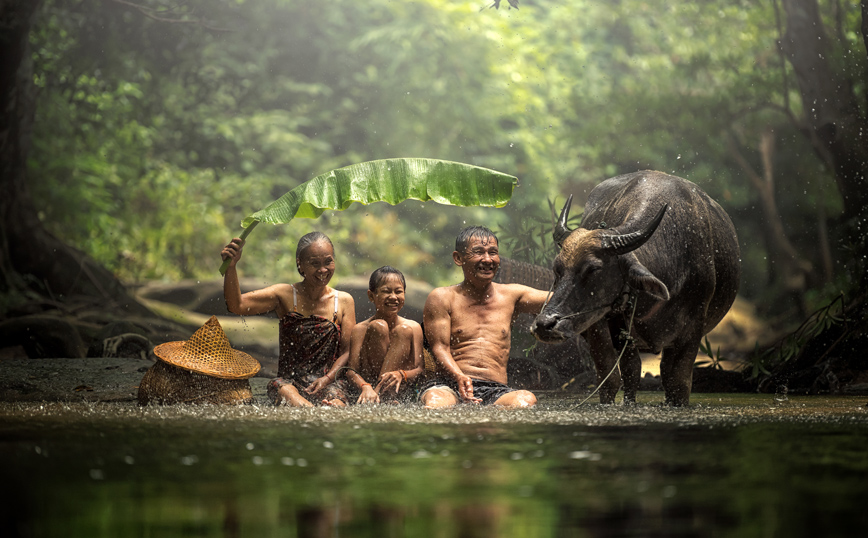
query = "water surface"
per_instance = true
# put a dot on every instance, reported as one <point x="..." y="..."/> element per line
<point x="730" y="465"/>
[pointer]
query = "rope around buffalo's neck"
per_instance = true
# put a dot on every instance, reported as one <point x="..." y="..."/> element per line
<point x="617" y="362"/>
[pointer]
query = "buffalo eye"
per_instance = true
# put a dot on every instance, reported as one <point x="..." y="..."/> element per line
<point x="558" y="268"/>
<point x="590" y="268"/>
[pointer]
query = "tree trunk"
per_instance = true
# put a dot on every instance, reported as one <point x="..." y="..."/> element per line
<point x="836" y="129"/>
<point x="31" y="257"/>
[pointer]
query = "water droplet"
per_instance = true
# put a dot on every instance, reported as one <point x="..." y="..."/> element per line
<point x="287" y="461"/>
<point x="328" y="444"/>
<point x="250" y="446"/>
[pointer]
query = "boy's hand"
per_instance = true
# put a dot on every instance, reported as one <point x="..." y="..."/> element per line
<point x="368" y="395"/>
<point x="390" y="381"/>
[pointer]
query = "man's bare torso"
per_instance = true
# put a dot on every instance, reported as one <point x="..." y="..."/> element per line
<point x="481" y="330"/>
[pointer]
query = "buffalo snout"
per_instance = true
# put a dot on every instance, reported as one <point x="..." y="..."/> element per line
<point x="546" y="327"/>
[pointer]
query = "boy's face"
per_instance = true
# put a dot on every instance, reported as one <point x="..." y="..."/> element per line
<point x="480" y="259"/>
<point x="388" y="298"/>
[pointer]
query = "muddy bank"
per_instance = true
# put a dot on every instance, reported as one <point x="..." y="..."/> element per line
<point x="80" y="380"/>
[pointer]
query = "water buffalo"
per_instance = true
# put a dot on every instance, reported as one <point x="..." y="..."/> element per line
<point x="656" y="241"/>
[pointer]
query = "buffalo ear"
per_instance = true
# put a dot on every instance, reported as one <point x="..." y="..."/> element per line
<point x="640" y="278"/>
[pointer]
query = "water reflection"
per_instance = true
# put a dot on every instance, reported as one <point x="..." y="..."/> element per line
<point x="732" y="466"/>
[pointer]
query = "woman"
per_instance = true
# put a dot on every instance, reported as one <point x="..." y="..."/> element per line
<point x="386" y="348"/>
<point x="316" y="322"/>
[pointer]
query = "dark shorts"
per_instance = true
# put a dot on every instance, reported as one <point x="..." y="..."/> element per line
<point x="487" y="391"/>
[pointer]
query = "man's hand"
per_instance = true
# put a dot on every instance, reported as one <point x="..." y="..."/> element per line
<point x="465" y="389"/>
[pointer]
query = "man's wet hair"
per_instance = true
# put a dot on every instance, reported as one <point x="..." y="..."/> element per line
<point x="307" y="240"/>
<point x="379" y="276"/>
<point x="465" y="235"/>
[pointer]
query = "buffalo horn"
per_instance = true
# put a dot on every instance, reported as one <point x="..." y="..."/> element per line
<point x="626" y="242"/>
<point x="561" y="232"/>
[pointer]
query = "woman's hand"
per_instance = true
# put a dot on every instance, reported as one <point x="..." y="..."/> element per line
<point x="319" y="384"/>
<point x="391" y="381"/>
<point x="368" y="395"/>
<point x="232" y="251"/>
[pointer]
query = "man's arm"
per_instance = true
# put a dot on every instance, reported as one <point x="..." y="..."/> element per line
<point x="529" y="300"/>
<point x="438" y="328"/>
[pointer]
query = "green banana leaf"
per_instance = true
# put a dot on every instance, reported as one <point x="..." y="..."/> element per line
<point x="391" y="181"/>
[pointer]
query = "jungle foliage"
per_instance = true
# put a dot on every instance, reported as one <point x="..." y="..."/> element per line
<point x="158" y="129"/>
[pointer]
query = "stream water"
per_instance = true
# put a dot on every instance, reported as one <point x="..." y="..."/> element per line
<point x="730" y="465"/>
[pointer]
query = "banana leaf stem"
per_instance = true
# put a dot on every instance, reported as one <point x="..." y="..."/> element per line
<point x="244" y="234"/>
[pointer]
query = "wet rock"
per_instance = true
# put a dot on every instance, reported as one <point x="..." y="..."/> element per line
<point x="128" y="346"/>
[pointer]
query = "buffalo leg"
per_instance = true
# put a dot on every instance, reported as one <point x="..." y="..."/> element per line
<point x="631" y="371"/>
<point x="631" y="364"/>
<point x="603" y="353"/>
<point x="676" y="372"/>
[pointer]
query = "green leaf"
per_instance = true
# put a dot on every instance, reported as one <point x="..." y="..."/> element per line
<point x="391" y="181"/>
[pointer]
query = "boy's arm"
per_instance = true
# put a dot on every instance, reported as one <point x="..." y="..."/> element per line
<point x="367" y="392"/>
<point x="354" y="362"/>
<point x="418" y="360"/>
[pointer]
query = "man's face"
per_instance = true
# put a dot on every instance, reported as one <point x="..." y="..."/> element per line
<point x="479" y="260"/>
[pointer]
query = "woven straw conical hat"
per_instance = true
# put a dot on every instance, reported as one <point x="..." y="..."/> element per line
<point x="164" y="384"/>
<point x="208" y="352"/>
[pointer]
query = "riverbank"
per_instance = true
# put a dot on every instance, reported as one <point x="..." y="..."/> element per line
<point x="80" y="380"/>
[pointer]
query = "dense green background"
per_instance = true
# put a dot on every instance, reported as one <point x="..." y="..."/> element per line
<point x="153" y="139"/>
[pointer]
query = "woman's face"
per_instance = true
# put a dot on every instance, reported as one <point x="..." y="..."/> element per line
<point x="388" y="298"/>
<point x="317" y="263"/>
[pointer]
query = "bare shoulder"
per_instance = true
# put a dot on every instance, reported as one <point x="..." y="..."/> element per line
<point x="524" y="297"/>
<point x="360" y="328"/>
<point x="277" y="290"/>
<point x="441" y="296"/>
<point x="513" y="291"/>
<point x="345" y="299"/>
<point x="409" y="323"/>
<point x="283" y="288"/>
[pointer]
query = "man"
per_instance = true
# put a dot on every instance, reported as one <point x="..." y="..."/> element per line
<point x="468" y="327"/>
